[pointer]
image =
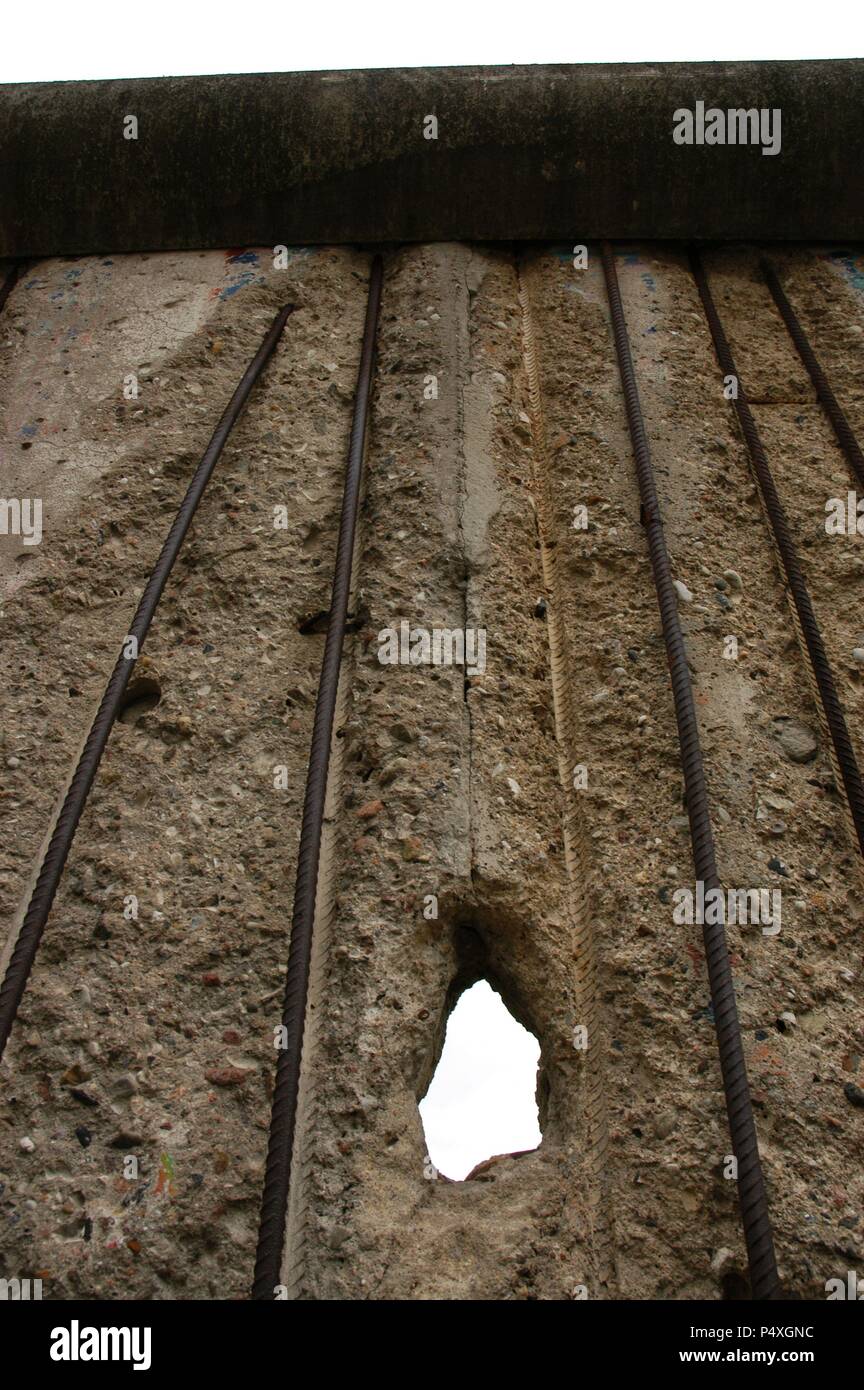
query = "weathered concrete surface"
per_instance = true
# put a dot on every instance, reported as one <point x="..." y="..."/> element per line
<point x="153" y="1039"/>
<point x="521" y="153"/>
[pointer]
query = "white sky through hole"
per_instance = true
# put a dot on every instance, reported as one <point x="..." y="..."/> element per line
<point x="481" y="1101"/>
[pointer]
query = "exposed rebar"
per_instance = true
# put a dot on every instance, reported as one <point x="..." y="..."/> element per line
<point x="764" y="1282"/>
<point x="829" y="402"/>
<point x="844" y="754"/>
<point x="27" y="944"/>
<point x="10" y="280"/>
<point x="277" y="1179"/>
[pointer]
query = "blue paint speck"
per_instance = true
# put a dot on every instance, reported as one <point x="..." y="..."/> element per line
<point x="246" y="279"/>
<point x="852" y="267"/>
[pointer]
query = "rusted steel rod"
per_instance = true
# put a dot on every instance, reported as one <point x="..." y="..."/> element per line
<point x="835" y="720"/>
<point x="10" y="279"/>
<point x="764" y="1282"/>
<point x="277" y="1179"/>
<point x="829" y="402"/>
<point x="27" y="944"/>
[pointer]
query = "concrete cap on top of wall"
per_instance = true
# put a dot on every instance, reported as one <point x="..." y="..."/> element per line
<point x="514" y="153"/>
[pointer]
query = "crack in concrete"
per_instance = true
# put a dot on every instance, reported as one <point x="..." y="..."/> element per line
<point x="596" y="1208"/>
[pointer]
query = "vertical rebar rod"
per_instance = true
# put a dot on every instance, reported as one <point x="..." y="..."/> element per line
<point x="283" y="1120"/>
<point x="753" y="1201"/>
<point x="845" y="761"/>
<point x="829" y="402"/>
<point x="10" y="280"/>
<point x="25" y="949"/>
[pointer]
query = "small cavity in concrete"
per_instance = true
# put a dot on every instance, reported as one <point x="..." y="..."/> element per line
<point x="143" y="693"/>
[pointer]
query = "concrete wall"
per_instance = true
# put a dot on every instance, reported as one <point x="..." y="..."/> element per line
<point x="153" y="1038"/>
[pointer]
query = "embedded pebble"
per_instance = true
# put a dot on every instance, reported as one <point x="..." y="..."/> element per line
<point x="124" y="1086"/>
<point x="682" y="591"/>
<point x="798" y="742"/>
<point x="721" y="1260"/>
<point x="854" y="1094"/>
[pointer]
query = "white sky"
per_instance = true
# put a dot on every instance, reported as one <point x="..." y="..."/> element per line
<point x="481" y="1101"/>
<point x="107" y="38"/>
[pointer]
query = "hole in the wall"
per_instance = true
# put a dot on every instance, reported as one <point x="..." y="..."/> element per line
<point x="142" y="694"/>
<point x="482" y="1100"/>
